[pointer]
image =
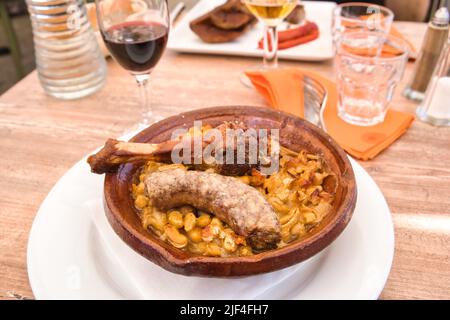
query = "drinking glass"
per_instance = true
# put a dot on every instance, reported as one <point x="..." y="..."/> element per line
<point x="135" y="33"/>
<point x="367" y="78"/>
<point x="360" y="17"/>
<point x="271" y="13"/>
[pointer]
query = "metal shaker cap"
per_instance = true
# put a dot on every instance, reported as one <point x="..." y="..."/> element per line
<point x="441" y="17"/>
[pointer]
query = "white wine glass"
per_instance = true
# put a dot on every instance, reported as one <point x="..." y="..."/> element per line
<point x="271" y="14"/>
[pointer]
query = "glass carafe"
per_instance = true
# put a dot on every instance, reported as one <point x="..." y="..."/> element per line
<point x="69" y="60"/>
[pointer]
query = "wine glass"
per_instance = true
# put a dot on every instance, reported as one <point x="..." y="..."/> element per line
<point x="135" y="33"/>
<point x="271" y="13"/>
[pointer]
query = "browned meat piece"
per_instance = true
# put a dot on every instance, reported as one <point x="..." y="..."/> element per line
<point x="230" y="19"/>
<point x="115" y="153"/>
<point x="211" y="34"/>
<point x="232" y="15"/>
<point x="224" y="23"/>
<point x="242" y="207"/>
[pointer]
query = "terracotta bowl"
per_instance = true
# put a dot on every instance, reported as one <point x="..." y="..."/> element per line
<point x="295" y="134"/>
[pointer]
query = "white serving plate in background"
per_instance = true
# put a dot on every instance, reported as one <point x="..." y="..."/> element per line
<point x="182" y="39"/>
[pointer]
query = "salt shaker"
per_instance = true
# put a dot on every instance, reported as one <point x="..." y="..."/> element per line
<point x="435" y="38"/>
<point x="435" y="108"/>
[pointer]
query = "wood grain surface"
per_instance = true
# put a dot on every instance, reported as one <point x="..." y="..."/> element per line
<point x="41" y="138"/>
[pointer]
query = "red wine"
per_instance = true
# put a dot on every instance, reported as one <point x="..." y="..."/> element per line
<point x="136" y="45"/>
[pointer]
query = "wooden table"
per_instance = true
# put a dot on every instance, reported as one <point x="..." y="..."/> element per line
<point x="41" y="138"/>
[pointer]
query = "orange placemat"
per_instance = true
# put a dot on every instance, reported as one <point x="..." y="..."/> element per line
<point x="282" y="89"/>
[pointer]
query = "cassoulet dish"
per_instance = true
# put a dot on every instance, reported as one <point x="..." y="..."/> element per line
<point x="226" y="219"/>
<point x="295" y="192"/>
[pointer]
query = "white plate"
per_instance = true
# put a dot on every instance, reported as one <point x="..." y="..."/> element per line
<point x="182" y="39"/>
<point x="66" y="259"/>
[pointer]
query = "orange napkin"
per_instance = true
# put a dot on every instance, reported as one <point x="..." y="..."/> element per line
<point x="388" y="50"/>
<point x="283" y="91"/>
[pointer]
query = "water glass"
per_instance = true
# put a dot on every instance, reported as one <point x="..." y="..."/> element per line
<point x="366" y="77"/>
<point x="360" y="17"/>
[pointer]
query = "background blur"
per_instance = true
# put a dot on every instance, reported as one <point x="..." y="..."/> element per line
<point x="16" y="38"/>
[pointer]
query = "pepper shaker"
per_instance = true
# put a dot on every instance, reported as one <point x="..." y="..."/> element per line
<point x="435" y="39"/>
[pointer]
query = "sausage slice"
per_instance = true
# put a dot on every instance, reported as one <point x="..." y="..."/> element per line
<point x="241" y="206"/>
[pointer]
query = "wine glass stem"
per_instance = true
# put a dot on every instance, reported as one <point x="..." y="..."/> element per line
<point x="270" y="47"/>
<point x="142" y="81"/>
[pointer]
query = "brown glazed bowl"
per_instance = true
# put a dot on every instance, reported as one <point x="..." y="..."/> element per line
<point x="295" y="134"/>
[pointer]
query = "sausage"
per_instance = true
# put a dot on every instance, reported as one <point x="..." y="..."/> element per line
<point x="241" y="206"/>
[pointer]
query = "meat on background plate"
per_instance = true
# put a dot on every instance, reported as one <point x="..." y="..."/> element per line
<point x="224" y="23"/>
<point x="231" y="20"/>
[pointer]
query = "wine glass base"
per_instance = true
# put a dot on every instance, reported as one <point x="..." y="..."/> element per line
<point x="143" y="124"/>
<point x="245" y="81"/>
<point x="147" y="121"/>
